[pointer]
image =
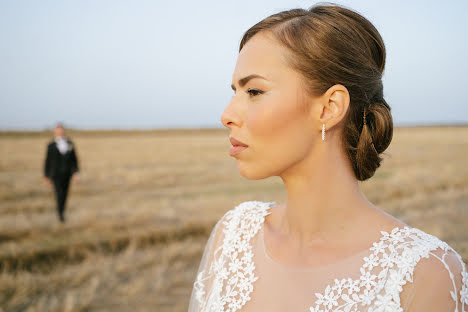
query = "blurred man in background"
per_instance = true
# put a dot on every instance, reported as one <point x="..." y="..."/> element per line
<point x="61" y="164"/>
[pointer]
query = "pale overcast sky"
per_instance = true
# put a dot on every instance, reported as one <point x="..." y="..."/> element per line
<point x="164" y="64"/>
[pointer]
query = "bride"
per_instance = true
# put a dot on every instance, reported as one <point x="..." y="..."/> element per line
<point x="308" y="107"/>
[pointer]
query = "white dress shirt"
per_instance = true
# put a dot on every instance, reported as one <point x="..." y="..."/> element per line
<point x="62" y="144"/>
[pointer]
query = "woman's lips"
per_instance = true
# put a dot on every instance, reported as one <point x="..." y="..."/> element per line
<point x="237" y="146"/>
<point x="234" y="142"/>
<point x="236" y="149"/>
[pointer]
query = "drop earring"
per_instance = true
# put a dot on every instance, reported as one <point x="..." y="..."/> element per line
<point x="323" y="132"/>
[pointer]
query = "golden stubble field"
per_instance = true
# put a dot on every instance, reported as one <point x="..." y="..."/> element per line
<point x="139" y="217"/>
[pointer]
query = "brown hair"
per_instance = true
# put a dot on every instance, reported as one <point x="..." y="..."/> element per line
<point x="330" y="44"/>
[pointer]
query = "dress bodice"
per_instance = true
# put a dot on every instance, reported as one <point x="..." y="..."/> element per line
<point x="405" y="270"/>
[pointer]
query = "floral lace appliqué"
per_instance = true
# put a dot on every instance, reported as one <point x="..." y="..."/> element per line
<point x="384" y="273"/>
<point x="389" y="266"/>
<point x="233" y="268"/>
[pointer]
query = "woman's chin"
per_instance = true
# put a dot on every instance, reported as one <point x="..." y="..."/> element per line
<point x="251" y="172"/>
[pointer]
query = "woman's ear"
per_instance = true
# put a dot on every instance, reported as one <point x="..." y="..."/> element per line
<point x="335" y="105"/>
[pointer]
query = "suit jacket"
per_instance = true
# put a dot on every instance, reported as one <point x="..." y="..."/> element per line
<point x="57" y="164"/>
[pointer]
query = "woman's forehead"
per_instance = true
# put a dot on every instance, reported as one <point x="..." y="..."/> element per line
<point x="262" y="56"/>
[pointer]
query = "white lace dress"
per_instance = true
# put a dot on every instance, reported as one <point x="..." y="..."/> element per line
<point x="405" y="270"/>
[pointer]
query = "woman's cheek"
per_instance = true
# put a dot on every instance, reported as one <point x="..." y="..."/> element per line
<point x="265" y="117"/>
<point x="260" y="121"/>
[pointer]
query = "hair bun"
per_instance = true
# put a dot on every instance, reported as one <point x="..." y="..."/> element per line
<point x="380" y="125"/>
<point x="378" y="95"/>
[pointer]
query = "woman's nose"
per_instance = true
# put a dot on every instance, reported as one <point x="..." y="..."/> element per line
<point x="232" y="114"/>
<point x="225" y="120"/>
<point x="226" y="116"/>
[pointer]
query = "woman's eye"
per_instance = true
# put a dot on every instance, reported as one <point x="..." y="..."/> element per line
<point x="254" y="92"/>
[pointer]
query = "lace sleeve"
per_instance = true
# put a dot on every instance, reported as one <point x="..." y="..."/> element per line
<point x="205" y="276"/>
<point x="439" y="284"/>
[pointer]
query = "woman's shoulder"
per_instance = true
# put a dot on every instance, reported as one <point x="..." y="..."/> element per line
<point x="226" y="248"/>
<point x="420" y="242"/>
<point x="439" y="267"/>
<point x="434" y="271"/>
<point x="412" y="244"/>
<point x="252" y="210"/>
<point x="245" y="217"/>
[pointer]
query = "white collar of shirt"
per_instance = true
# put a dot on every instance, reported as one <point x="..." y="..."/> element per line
<point x="62" y="144"/>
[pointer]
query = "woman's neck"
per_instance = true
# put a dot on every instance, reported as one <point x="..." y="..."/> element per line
<point x="323" y="202"/>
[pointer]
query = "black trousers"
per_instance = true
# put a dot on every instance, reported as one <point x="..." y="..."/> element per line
<point x="61" y="186"/>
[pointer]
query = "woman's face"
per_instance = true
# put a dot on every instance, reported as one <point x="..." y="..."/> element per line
<point x="266" y="113"/>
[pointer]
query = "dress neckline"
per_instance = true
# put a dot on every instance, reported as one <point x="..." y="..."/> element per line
<point x="361" y="254"/>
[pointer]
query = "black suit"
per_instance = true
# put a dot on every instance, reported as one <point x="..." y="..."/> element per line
<point x="59" y="168"/>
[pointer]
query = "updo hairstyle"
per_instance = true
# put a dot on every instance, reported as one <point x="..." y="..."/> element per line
<point x="330" y="44"/>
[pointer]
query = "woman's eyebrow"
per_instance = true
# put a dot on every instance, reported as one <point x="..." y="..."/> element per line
<point x="244" y="80"/>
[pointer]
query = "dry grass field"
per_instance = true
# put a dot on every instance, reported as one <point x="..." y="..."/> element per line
<point x="140" y="215"/>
